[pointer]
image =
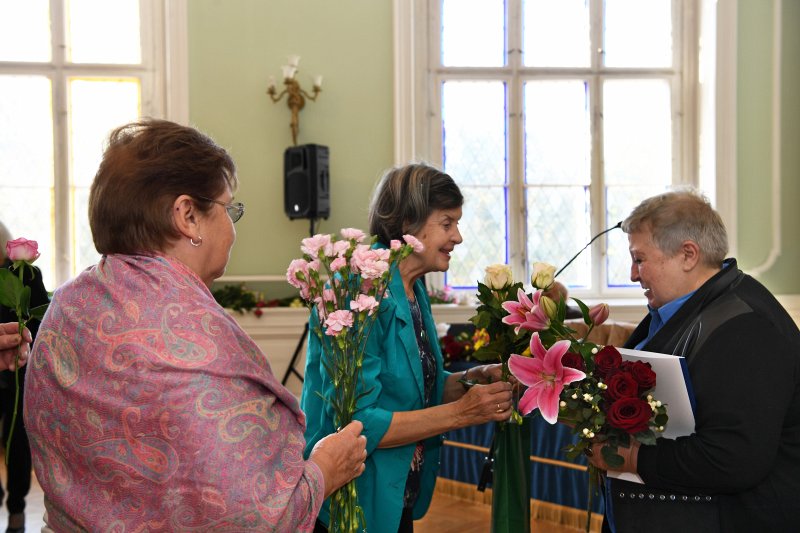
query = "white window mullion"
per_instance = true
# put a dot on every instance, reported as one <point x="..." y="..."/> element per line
<point x="61" y="181"/>
<point x="515" y="148"/>
<point x="597" y="187"/>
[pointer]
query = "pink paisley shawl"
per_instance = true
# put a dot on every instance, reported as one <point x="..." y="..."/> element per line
<point x="149" y="409"/>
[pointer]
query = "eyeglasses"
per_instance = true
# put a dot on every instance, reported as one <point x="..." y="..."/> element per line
<point x="235" y="210"/>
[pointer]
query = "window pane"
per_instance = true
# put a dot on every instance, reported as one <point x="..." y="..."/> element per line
<point x="483" y="228"/>
<point x="26" y="172"/>
<point x="620" y="201"/>
<point x="96" y="107"/>
<point x="556" y="33"/>
<point x="474" y="153"/>
<point x="100" y="31"/>
<point x="25" y="30"/>
<point x="637" y="129"/>
<point x="473" y="33"/>
<point x="474" y="132"/>
<point x="638" y="33"/>
<point x="557" y="133"/>
<point x="558" y="226"/>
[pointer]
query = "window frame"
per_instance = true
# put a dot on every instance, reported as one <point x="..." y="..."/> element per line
<point x="417" y="111"/>
<point x="163" y="75"/>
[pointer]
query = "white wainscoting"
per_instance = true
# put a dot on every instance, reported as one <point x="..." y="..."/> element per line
<point x="277" y="332"/>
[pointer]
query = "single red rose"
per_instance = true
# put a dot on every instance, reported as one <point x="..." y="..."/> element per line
<point x="643" y="374"/>
<point x="629" y="414"/>
<point x="258" y="312"/>
<point x="606" y="360"/>
<point x="621" y="385"/>
<point x="573" y="360"/>
<point x="454" y="349"/>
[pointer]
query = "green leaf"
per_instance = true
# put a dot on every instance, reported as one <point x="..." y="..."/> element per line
<point x="10" y="287"/>
<point x="646" y="437"/>
<point x="24" y="303"/>
<point x="612" y="458"/>
<point x="584" y="311"/>
<point x="38" y="311"/>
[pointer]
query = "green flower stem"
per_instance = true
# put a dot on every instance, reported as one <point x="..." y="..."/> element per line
<point x="19" y="311"/>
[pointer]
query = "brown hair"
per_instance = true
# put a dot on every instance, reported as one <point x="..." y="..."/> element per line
<point x="676" y="216"/>
<point x="145" y="167"/>
<point x="406" y="196"/>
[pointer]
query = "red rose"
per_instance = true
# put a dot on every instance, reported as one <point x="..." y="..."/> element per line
<point x="629" y="414"/>
<point x="621" y="385"/>
<point x="606" y="360"/>
<point x="644" y="375"/>
<point x="573" y="360"/>
<point x="453" y="348"/>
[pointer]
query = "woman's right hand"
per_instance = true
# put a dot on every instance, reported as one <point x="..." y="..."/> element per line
<point x="484" y="403"/>
<point x="341" y="456"/>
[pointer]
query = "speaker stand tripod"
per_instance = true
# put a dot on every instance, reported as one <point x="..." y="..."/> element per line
<point x="291" y="369"/>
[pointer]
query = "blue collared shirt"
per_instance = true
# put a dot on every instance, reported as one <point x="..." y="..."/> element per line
<point x="660" y="316"/>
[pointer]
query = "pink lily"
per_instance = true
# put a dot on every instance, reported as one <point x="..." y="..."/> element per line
<point x="545" y="377"/>
<point x="526" y="313"/>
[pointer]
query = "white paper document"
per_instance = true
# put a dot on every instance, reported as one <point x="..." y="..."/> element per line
<point x="673" y="389"/>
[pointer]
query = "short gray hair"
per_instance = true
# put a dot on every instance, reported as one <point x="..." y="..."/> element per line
<point x="5" y="236"/>
<point x="676" y="216"/>
<point x="406" y="196"/>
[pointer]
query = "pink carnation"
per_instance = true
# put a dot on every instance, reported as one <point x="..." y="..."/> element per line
<point x="337" y="321"/>
<point x="368" y="263"/>
<point x="312" y="245"/>
<point x="336" y="248"/>
<point x="297" y="273"/>
<point x="353" y="234"/>
<point x="414" y="242"/>
<point x="364" y="303"/>
<point x="338" y="263"/>
<point x="394" y="244"/>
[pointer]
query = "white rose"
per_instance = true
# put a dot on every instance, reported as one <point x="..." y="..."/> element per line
<point x="498" y="276"/>
<point x="543" y="275"/>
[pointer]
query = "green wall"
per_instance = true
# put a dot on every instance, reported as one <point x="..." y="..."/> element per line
<point x="755" y="141"/>
<point x="235" y="45"/>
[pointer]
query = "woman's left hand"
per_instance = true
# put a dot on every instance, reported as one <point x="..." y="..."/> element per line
<point x="630" y="456"/>
<point x="489" y="374"/>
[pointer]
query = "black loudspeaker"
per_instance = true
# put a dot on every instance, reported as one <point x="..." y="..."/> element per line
<point x="306" y="182"/>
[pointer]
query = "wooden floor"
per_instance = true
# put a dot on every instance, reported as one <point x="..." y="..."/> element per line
<point x="446" y="515"/>
<point x="452" y="515"/>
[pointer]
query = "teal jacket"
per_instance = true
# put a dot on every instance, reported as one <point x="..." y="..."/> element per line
<point x="392" y="374"/>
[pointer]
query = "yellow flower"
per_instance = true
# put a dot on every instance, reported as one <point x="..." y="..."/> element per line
<point x="480" y="338"/>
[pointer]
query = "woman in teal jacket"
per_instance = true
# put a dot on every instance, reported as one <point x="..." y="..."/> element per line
<point x="411" y="400"/>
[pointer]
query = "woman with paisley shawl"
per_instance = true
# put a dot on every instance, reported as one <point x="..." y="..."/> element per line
<point x="147" y="406"/>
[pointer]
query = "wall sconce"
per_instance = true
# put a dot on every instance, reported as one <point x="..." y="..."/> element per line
<point x="295" y="95"/>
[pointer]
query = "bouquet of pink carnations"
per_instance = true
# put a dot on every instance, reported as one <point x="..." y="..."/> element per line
<point x="344" y="281"/>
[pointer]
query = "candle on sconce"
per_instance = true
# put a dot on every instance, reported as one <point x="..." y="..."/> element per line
<point x="288" y="71"/>
<point x="271" y="85"/>
<point x="318" y="81"/>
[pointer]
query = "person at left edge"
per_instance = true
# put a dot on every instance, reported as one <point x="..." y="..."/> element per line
<point x="18" y="467"/>
<point x="410" y="400"/>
